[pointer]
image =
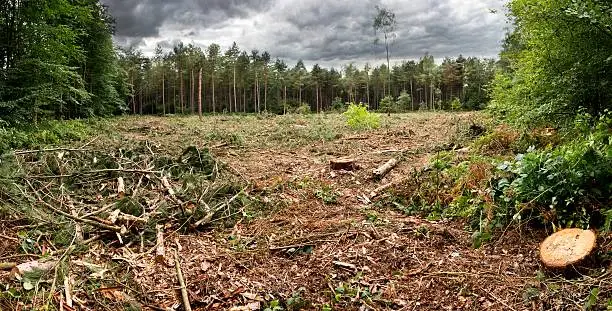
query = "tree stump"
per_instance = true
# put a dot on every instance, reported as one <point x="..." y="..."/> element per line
<point x="346" y="164"/>
<point x="567" y="247"/>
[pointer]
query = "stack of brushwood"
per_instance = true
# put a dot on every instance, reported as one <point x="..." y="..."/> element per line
<point x="78" y="195"/>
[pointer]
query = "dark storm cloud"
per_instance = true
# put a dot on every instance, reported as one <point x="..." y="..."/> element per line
<point x="144" y="18"/>
<point x="314" y="30"/>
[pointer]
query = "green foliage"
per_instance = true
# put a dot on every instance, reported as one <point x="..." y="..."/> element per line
<point x="338" y="105"/>
<point x="455" y="104"/>
<point x="404" y="102"/>
<point x="302" y="109"/>
<point x="327" y="194"/>
<point x="59" y="62"/>
<point x="44" y="134"/>
<point x="387" y="105"/>
<point x="571" y="184"/>
<point x="557" y="60"/>
<point x="358" y="117"/>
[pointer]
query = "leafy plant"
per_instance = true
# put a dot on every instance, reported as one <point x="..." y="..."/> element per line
<point x="327" y="194"/>
<point x="358" y="117"/>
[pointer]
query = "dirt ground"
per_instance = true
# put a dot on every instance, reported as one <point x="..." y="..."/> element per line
<point x="316" y="241"/>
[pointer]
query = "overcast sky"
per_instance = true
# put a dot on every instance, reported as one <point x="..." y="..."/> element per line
<point x="328" y="32"/>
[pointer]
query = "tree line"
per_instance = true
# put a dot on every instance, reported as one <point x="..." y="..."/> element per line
<point x="57" y="60"/>
<point x="238" y="81"/>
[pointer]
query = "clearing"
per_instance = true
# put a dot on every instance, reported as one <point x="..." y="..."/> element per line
<point x="258" y="220"/>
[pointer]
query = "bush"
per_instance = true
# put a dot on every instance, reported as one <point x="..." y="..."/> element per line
<point x="44" y="134"/>
<point x="387" y="105"/>
<point x="570" y="185"/>
<point x="358" y="117"/>
<point x="404" y="102"/>
<point x="302" y="109"/>
<point x="455" y="104"/>
<point x="338" y="105"/>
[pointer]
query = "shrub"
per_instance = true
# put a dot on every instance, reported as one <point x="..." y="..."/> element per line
<point x="404" y="102"/>
<point x="358" y="117"/>
<point x="302" y="109"/>
<point x="455" y="104"/>
<point x="387" y="105"/>
<point x="338" y="104"/>
<point x="571" y="184"/>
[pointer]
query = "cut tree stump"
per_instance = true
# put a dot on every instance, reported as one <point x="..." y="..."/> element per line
<point x="381" y="171"/>
<point x="346" y="164"/>
<point x="567" y="247"/>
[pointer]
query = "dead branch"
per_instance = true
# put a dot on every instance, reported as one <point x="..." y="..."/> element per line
<point x="160" y="254"/>
<point x="120" y="187"/>
<point x="22" y="152"/>
<point x="385" y="168"/>
<point x="179" y="275"/>
<point x="68" y="289"/>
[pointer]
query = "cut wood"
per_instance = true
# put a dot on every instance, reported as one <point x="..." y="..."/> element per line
<point x="120" y="188"/>
<point x="345" y="265"/>
<point x="7" y="265"/>
<point x="68" y="289"/>
<point x="179" y="276"/>
<point x="567" y="247"/>
<point x="160" y="253"/>
<point x="346" y="164"/>
<point x="385" y="168"/>
<point x="33" y="266"/>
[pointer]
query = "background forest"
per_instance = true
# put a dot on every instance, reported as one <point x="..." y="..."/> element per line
<point x="58" y="61"/>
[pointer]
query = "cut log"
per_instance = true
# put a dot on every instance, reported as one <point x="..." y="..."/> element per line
<point x="381" y="171"/>
<point x="160" y="253"/>
<point x="346" y="164"/>
<point x="567" y="247"/>
<point x="120" y="188"/>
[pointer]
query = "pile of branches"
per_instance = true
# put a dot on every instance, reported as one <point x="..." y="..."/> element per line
<point x="118" y="194"/>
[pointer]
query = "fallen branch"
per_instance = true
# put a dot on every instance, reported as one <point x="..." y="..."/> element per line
<point x="160" y="252"/>
<point x="120" y="187"/>
<point x="85" y="221"/>
<point x="385" y="168"/>
<point x="345" y="265"/>
<point x="49" y="150"/>
<point x="76" y="218"/>
<point x="68" y="289"/>
<point x="280" y="248"/>
<point x="179" y="275"/>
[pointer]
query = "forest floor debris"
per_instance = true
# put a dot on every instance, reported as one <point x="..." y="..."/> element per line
<point x="247" y="211"/>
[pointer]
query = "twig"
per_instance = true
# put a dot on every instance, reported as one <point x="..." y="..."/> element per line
<point x="179" y="275"/>
<point x="280" y="248"/>
<point x="86" y="221"/>
<point x="49" y="150"/>
<point x="107" y="170"/>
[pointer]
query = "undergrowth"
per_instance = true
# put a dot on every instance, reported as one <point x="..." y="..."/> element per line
<point x="538" y="177"/>
<point x="45" y="134"/>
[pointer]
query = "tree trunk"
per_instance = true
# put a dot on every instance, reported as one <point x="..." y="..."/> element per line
<point x="164" y="92"/>
<point x="192" y="93"/>
<point x="213" y="92"/>
<point x="182" y="91"/>
<point x="200" y="94"/>
<point x="235" y="96"/>
<point x="411" y="95"/>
